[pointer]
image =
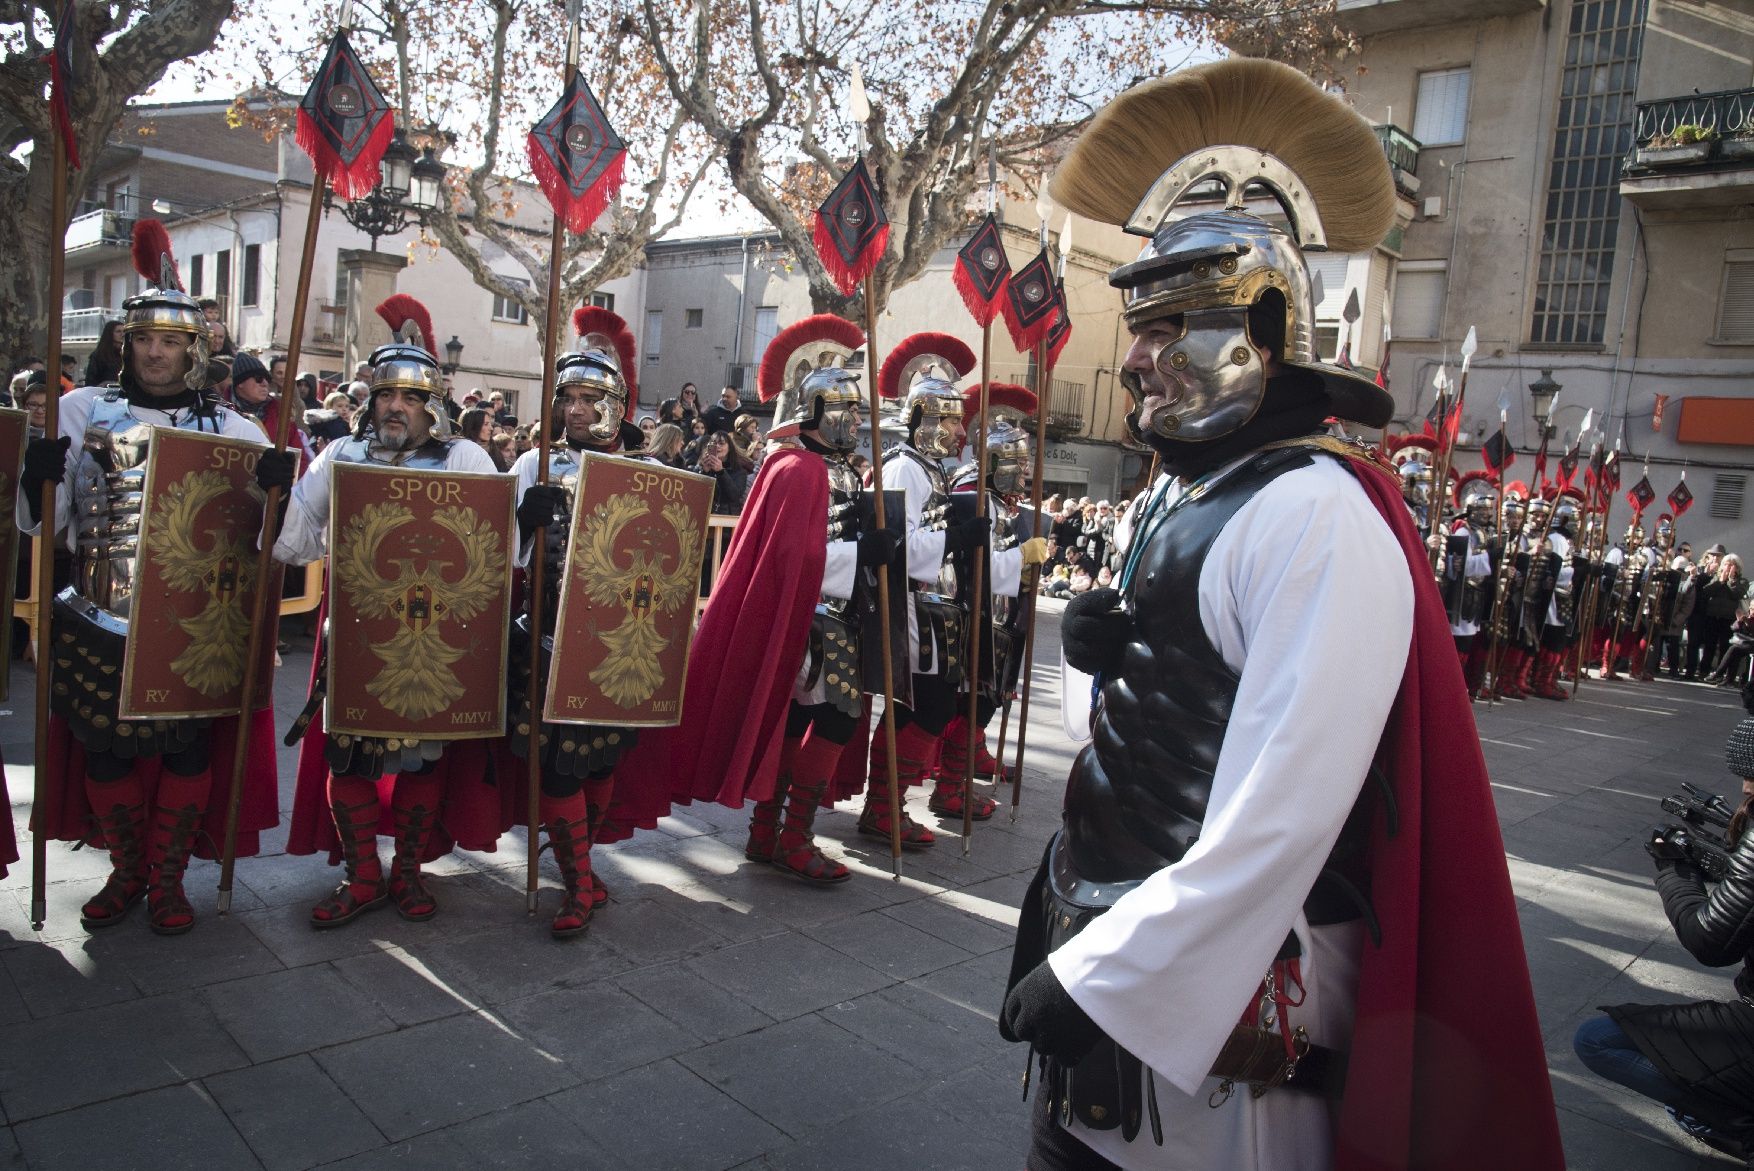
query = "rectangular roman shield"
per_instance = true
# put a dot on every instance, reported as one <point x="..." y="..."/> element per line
<point x="12" y="436"/>
<point x="627" y="596"/>
<point x="419" y="602"/>
<point x="189" y="626"/>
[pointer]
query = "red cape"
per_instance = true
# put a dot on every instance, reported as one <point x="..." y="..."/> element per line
<point x="1447" y="1065"/>
<point x="745" y="658"/>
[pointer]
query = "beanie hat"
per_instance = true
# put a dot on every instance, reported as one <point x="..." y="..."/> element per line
<point x="1739" y="753"/>
<point x="248" y="366"/>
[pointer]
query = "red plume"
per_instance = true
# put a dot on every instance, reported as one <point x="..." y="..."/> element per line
<point x="823" y="327"/>
<point x="590" y="319"/>
<point x="399" y="309"/>
<point x="152" y="246"/>
<point x="1517" y="488"/>
<point x="1007" y="395"/>
<point x="1471" y="478"/>
<point x="923" y="345"/>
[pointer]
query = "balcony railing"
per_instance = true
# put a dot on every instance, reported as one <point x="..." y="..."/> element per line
<point x="1694" y="129"/>
<point x="1065" y="407"/>
<point x="99" y="228"/>
<point x="1402" y="150"/>
<point x="86" y="325"/>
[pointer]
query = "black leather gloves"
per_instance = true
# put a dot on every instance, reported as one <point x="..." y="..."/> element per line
<point x="45" y="461"/>
<point x="542" y="505"/>
<point x="878" y="547"/>
<point x="1094" y="631"/>
<point x="970" y="534"/>
<point x="1041" y="1012"/>
<point x="275" y="469"/>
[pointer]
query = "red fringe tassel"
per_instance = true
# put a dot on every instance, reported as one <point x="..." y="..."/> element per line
<point x="980" y="308"/>
<point x="578" y="212"/>
<point x="348" y="182"/>
<point x="846" y="277"/>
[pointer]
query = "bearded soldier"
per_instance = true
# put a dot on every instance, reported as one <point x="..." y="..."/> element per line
<point x="141" y="788"/>
<point x="438" y="793"/>
<point x="1004" y="475"/>
<point x="930" y="409"/>
<point x="1225" y="851"/>
<point x="776" y="675"/>
<point x="1465" y="574"/>
<point x="593" y="386"/>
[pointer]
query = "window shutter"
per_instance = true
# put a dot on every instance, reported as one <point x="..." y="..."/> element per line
<point x="1440" y="116"/>
<point x="1735" y="315"/>
<point x="1419" y="302"/>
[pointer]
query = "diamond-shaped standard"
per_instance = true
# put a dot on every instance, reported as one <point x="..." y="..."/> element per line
<point x="577" y="156"/>
<point x="344" y="123"/>
<point x="851" y="228"/>
<point x="1681" y="499"/>
<point x="1641" y="494"/>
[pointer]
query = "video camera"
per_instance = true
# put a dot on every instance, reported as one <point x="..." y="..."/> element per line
<point x="1701" y="840"/>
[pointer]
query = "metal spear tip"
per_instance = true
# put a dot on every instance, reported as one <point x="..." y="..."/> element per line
<point x="1353" y="310"/>
<point x="1470" y="344"/>
<point x="222" y="902"/>
<point x="859" y="104"/>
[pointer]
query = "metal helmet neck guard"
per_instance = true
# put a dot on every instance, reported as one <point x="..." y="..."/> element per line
<point x="1007" y="465"/>
<point x="1227" y="284"/>
<point x="920" y="374"/>
<point x="1475" y="497"/>
<point x="1514" y="507"/>
<point x="407" y="364"/>
<point x="1565" y="513"/>
<point x="804" y="374"/>
<point x="604" y="365"/>
<point x="164" y="306"/>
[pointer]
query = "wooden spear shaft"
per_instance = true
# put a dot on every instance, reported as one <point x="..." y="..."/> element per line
<point x="976" y="604"/>
<point x="1042" y="385"/>
<point x="265" y="555"/>
<point x="45" y="579"/>
<point x="882" y="579"/>
<point x="535" y="579"/>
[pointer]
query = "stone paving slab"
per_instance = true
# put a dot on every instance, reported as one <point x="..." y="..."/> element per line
<point x="720" y="1015"/>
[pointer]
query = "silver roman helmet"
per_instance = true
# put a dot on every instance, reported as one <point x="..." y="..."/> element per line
<point x="1475" y="495"/>
<point x="407" y="363"/>
<point x="1007" y="465"/>
<point x="604" y="363"/>
<point x="1221" y="285"/>
<point x="804" y="369"/>
<point x="1566" y="509"/>
<point x="920" y="375"/>
<point x="164" y="305"/>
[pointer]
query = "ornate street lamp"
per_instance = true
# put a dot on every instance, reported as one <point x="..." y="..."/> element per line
<point x="453" y="355"/>
<point x="1542" y="392"/>
<point x="407" y="192"/>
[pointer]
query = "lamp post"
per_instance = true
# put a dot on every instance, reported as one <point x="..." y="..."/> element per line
<point x="453" y="356"/>
<point x="1542" y="392"/>
<point x="407" y="192"/>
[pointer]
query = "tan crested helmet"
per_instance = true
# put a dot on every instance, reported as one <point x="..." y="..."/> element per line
<point x="804" y="374"/>
<point x="604" y="364"/>
<point x="408" y="362"/>
<point x="164" y="305"/>
<point x="919" y="375"/>
<point x="1221" y="284"/>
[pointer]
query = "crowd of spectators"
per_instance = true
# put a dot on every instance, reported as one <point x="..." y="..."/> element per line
<point x="1082" y="551"/>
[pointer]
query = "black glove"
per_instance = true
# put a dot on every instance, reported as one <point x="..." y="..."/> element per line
<point x="1040" y="1011"/>
<point x="45" y="461"/>
<point x="970" y="534"/>
<point x="542" y="505"/>
<point x="1094" y="631"/>
<point x="275" y="469"/>
<point x="878" y="547"/>
<point x="1669" y="843"/>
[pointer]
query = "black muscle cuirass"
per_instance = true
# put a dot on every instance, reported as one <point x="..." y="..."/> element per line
<point x="1138" y="792"/>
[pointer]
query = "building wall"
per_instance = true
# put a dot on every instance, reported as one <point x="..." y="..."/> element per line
<point x="1668" y="269"/>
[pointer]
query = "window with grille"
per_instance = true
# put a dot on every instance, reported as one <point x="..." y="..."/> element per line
<point x="252" y="275"/>
<point x="654" y="334"/>
<point x="509" y="308"/>
<point x="222" y="274"/>
<point x="693" y="318"/>
<point x="1440" y="115"/>
<point x="1726" y="496"/>
<point x="1735" y="307"/>
<point x="1591" y="135"/>
<point x="1419" y="290"/>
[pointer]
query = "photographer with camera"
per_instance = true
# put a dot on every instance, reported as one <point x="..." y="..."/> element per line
<point x="1697" y="1059"/>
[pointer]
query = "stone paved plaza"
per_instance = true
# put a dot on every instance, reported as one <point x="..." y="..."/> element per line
<point x="720" y="1015"/>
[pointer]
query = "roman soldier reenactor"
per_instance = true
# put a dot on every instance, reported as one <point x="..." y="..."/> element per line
<point x="777" y="674"/>
<point x="1414" y="458"/>
<point x="1282" y="747"/>
<point x="1004" y="475"/>
<point x="143" y="789"/>
<point x="918" y="375"/>
<point x="1465" y="573"/>
<point x="1510" y="551"/>
<point x="1626" y="568"/>
<point x="1559" y="626"/>
<point x="437" y="792"/>
<point x="593" y="387"/>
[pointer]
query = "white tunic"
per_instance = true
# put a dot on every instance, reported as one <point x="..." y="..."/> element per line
<point x="1478" y="564"/>
<point x="1305" y="593"/>
<point x="303" y="537"/>
<point x="75" y="416"/>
